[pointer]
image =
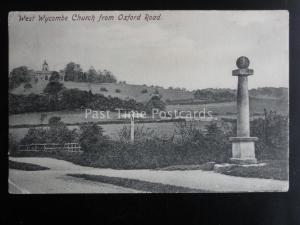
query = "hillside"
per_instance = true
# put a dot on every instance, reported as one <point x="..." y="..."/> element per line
<point x="140" y="93"/>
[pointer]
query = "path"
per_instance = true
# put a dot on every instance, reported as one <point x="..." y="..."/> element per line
<point x="56" y="181"/>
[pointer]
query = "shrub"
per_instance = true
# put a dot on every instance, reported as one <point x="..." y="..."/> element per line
<point x="168" y="100"/>
<point x="19" y="75"/>
<point x="91" y="138"/>
<point x="103" y="89"/>
<point x="155" y="103"/>
<point x="118" y="91"/>
<point x="53" y="88"/>
<point x="54" y="77"/>
<point x="144" y="91"/>
<point x="140" y="134"/>
<point x="272" y="131"/>
<point x="57" y="132"/>
<point x="12" y="144"/>
<point x="27" y="86"/>
<point x="54" y="120"/>
<point x="151" y="151"/>
<point x="34" y="135"/>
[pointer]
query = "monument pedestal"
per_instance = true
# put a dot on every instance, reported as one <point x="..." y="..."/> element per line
<point x="243" y="150"/>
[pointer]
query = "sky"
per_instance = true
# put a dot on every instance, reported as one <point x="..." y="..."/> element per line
<point x="187" y="49"/>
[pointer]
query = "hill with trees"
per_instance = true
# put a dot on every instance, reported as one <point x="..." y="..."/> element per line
<point x="104" y="82"/>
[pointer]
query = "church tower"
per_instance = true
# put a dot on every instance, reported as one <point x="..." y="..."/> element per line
<point x="45" y="66"/>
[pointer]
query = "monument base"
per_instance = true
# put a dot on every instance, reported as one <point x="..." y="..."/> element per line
<point x="243" y="150"/>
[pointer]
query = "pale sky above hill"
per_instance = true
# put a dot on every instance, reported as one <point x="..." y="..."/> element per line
<point x="190" y="49"/>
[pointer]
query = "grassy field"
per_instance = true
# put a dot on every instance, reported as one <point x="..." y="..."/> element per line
<point x="68" y="117"/>
<point x="224" y="109"/>
<point x="25" y="166"/>
<point x="162" y="129"/>
<point x="257" y="106"/>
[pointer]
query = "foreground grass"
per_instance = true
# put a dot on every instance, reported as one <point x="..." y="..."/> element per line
<point x="138" y="184"/>
<point x="205" y="166"/>
<point x="25" y="166"/>
<point x="274" y="169"/>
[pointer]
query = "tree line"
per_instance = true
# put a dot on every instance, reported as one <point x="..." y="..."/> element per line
<point x="215" y="95"/>
<point x="226" y="94"/>
<point x="72" y="71"/>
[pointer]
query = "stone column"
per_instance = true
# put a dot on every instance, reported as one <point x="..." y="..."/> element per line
<point x="132" y="127"/>
<point x="243" y="146"/>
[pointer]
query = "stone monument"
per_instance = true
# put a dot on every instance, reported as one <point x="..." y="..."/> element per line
<point x="243" y="146"/>
<point x="132" y="127"/>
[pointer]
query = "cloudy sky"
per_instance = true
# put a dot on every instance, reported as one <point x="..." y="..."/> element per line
<point x="191" y="49"/>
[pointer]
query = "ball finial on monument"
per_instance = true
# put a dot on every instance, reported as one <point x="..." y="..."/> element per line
<point x="242" y="62"/>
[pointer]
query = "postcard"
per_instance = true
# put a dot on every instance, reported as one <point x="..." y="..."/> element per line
<point x="148" y="101"/>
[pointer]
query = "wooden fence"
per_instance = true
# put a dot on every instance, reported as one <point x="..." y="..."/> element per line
<point x="48" y="147"/>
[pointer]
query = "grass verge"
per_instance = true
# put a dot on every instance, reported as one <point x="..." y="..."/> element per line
<point x="25" y="166"/>
<point x="205" y="166"/>
<point x="274" y="169"/>
<point x="139" y="184"/>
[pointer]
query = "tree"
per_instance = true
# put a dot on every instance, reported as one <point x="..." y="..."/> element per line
<point x="19" y="75"/>
<point x="72" y="71"/>
<point x="82" y="77"/>
<point x="34" y="135"/>
<point x="74" y="99"/>
<point x="27" y="86"/>
<point x="53" y="88"/>
<point x="109" y="77"/>
<point x="55" y="77"/>
<point x="92" y="75"/>
<point x="58" y="132"/>
<point x="91" y="138"/>
<point x="155" y="103"/>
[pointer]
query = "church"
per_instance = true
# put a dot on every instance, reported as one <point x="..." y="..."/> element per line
<point x="45" y="73"/>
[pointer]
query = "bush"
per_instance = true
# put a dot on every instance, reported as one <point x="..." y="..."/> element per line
<point x="103" y="89"/>
<point x="191" y="147"/>
<point x="273" y="134"/>
<point x="12" y="144"/>
<point x="53" y="88"/>
<point x="19" y="75"/>
<point x="27" y="86"/>
<point x="144" y="91"/>
<point x="155" y="103"/>
<point x="57" y="132"/>
<point x="118" y="91"/>
<point x="140" y="134"/>
<point x="54" y="120"/>
<point x="91" y="138"/>
<point x="151" y="151"/>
